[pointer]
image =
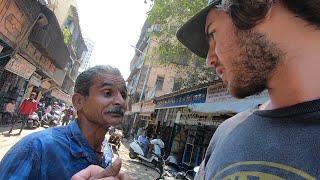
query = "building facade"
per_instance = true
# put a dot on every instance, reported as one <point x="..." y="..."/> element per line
<point x="86" y="59"/>
<point x="33" y="56"/>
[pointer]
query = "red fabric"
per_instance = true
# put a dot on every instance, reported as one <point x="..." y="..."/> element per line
<point x="28" y="107"/>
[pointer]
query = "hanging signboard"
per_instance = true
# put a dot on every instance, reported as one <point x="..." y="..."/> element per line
<point x="186" y="117"/>
<point x="148" y="107"/>
<point x="217" y="93"/>
<point x="35" y="80"/>
<point x="45" y="85"/>
<point x="20" y="66"/>
<point x="136" y="107"/>
<point x="61" y="95"/>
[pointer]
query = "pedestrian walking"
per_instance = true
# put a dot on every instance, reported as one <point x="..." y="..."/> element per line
<point x="68" y="115"/>
<point x="254" y="46"/>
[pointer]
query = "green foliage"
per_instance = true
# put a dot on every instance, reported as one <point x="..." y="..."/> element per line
<point x="66" y="35"/>
<point x="170" y="15"/>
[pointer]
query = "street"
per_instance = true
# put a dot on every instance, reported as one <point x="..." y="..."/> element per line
<point x="135" y="169"/>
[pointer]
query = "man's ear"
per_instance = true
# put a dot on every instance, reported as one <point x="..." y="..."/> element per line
<point x="78" y="101"/>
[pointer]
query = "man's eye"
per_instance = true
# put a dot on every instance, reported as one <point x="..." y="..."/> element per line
<point x="211" y="36"/>
<point x="107" y="93"/>
<point x="124" y="95"/>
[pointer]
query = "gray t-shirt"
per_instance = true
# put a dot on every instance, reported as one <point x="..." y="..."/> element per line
<point x="270" y="144"/>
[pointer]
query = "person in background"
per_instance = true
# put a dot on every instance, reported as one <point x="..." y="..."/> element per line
<point x="27" y="107"/>
<point x="9" y="110"/>
<point x="143" y="140"/>
<point x="68" y="115"/>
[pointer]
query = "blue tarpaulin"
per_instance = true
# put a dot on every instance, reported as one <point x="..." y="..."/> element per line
<point x="231" y="105"/>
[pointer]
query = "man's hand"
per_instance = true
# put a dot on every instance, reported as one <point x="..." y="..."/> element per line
<point x="97" y="172"/>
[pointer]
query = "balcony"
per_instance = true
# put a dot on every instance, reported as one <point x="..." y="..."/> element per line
<point x="47" y="39"/>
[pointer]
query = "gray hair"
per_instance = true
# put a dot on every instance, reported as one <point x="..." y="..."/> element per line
<point x="85" y="79"/>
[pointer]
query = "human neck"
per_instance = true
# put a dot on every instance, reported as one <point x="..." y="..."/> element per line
<point x="94" y="133"/>
<point x="295" y="78"/>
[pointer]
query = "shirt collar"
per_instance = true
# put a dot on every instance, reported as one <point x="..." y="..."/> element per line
<point x="79" y="146"/>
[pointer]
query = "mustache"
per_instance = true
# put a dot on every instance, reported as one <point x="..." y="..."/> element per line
<point x="116" y="110"/>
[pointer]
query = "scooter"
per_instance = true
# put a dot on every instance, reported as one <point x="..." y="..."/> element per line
<point x="33" y="120"/>
<point x="156" y="159"/>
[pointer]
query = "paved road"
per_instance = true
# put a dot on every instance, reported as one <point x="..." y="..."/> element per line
<point x="134" y="168"/>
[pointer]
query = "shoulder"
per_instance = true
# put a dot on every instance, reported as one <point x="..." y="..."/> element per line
<point x="38" y="141"/>
<point x="235" y="120"/>
<point x="32" y="142"/>
<point x="228" y="126"/>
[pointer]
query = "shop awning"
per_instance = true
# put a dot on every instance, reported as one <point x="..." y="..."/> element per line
<point x="228" y="106"/>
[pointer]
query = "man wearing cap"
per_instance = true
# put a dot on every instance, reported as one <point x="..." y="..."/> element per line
<point x="27" y="107"/>
<point x="253" y="46"/>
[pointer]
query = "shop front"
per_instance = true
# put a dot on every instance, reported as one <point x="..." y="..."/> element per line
<point x="15" y="79"/>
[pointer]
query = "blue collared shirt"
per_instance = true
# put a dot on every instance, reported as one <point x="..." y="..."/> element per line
<point x="55" y="153"/>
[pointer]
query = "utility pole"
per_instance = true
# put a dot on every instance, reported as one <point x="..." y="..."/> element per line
<point x="145" y="79"/>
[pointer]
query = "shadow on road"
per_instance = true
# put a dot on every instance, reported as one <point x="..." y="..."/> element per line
<point x="5" y="129"/>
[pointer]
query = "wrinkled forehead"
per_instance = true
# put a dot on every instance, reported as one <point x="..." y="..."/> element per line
<point x="115" y="80"/>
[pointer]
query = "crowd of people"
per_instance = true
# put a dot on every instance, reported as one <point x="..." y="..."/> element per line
<point x="30" y="105"/>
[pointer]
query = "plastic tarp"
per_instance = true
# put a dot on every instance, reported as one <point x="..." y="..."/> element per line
<point x="231" y="105"/>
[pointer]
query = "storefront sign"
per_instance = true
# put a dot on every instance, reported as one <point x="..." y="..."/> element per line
<point x="136" y="107"/>
<point x="217" y="93"/>
<point x="45" y="85"/>
<point x="35" y="80"/>
<point x="186" y="117"/>
<point x="61" y="95"/>
<point x="198" y="96"/>
<point x="148" y="107"/>
<point x="20" y="66"/>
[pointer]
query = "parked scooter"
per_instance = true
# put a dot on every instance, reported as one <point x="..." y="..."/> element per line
<point x="33" y="120"/>
<point x="136" y="151"/>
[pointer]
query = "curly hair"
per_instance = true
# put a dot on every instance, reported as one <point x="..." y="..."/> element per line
<point x="246" y="14"/>
<point x="85" y="79"/>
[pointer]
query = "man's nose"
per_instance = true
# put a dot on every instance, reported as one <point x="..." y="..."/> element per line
<point x="212" y="58"/>
<point x="119" y="100"/>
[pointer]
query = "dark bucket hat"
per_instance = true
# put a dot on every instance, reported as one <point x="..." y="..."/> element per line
<point x="192" y="33"/>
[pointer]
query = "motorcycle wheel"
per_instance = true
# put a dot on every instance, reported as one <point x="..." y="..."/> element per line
<point x="37" y="124"/>
<point x="132" y="155"/>
<point x="29" y="125"/>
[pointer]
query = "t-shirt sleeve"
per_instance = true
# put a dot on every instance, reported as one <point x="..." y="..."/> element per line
<point x="35" y="106"/>
<point x="20" y="163"/>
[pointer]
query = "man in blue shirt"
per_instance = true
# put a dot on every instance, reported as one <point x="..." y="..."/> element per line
<point x="61" y="152"/>
<point x="144" y="142"/>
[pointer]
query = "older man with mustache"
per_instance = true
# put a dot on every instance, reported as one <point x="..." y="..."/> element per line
<point x="61" y="152"/>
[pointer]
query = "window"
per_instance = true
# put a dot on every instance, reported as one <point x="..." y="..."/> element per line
<point x="159" y="83"/>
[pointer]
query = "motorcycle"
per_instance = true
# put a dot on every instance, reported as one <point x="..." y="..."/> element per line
<point x="50" y="119"/>
<point x="33" y="120"/>
<point x="136" y="151"/>
<point x="174" y="172"/>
